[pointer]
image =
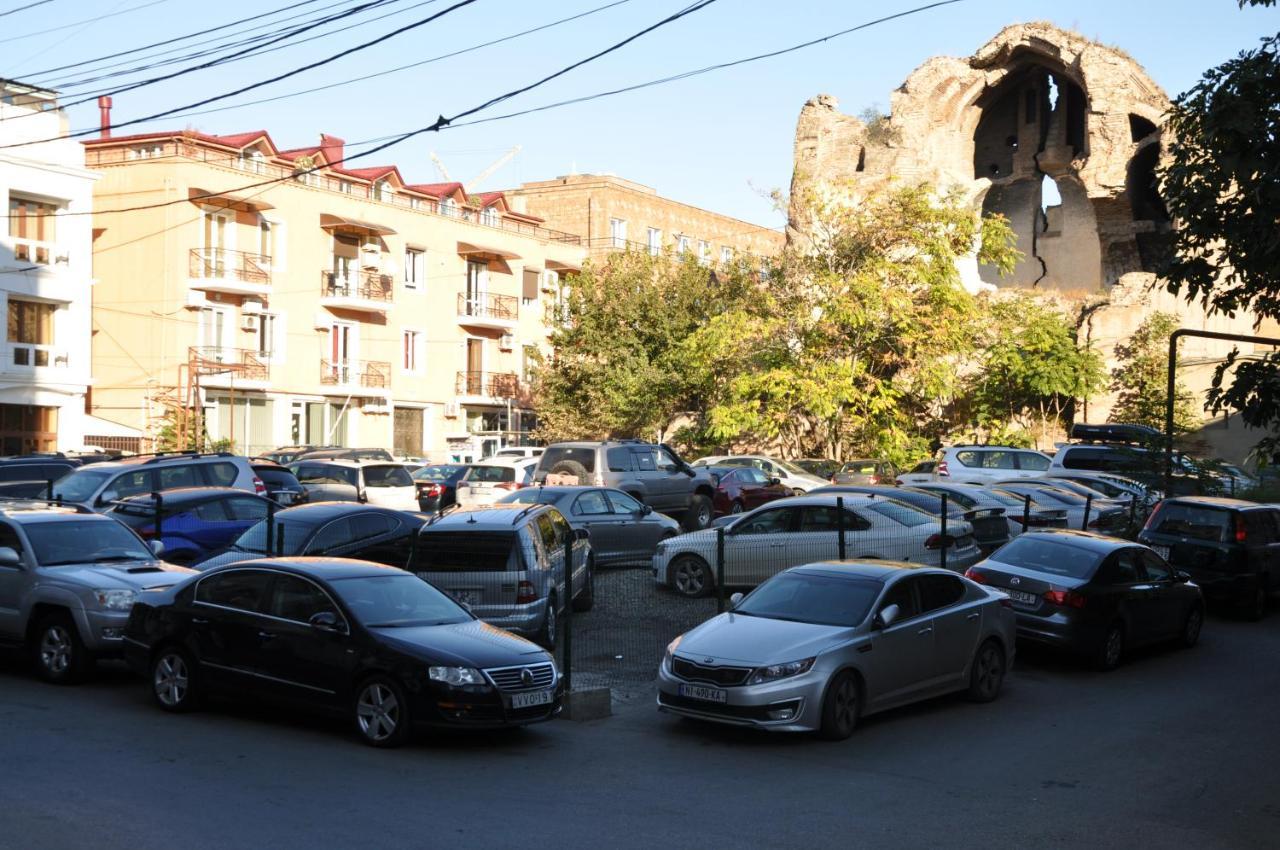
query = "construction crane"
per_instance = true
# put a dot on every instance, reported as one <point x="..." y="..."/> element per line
<point x="483" y="175"/>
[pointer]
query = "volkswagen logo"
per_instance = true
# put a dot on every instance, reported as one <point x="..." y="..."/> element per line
<point x="526" y="677"/>
<point x="1015" y="580"/>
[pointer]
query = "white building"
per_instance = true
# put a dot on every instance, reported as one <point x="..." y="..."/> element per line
<point x="46" y="267"/>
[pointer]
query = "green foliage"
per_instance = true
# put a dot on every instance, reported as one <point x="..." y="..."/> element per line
<point x="1141" y="378"/>
<point x="879" y="130"/>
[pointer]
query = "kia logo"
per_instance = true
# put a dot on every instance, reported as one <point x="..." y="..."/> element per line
<point x="526" y="676"/>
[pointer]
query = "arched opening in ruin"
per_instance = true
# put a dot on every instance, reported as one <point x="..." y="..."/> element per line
<point x="1142" y="187"/>
<point x="1032" y="111"/>
<point x="1139" y="127"/>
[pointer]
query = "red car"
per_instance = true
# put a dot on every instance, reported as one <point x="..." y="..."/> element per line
<point x="743" y="488"/>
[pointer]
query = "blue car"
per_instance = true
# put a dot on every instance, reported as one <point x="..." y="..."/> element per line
<point x="194" y="522"/>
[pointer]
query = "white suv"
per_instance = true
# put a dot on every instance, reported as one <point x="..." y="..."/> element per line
<point x="988" y="464"/>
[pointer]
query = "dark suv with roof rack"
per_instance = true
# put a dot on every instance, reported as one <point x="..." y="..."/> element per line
<point x="99" y="485"/>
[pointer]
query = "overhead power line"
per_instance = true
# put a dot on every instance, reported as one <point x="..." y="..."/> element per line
<point x="113" y="14"/>
<point x="18" y="9"/>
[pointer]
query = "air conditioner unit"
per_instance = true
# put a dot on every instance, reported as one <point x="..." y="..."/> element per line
<point x="196" y="299"/>
<point x="507" y="342"/>
<point x="452" y="410"/>
<point x="375" y="405"/>
<point x="251" y="306"/>
<point x="249" y="323"/>
<point x="550" y="281"/>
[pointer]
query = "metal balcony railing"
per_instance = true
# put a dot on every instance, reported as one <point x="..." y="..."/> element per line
<point x="374" y="374"/>
<point x="367" y="285"/>
<point x="489" y="306"/>
<point x="488" y="384"/>
<point x="223" y="263"/>
<point x="244" y="363"/>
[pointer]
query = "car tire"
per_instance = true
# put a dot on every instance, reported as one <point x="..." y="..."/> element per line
<point x="380" y="712"/>
<point x="690" y="576"/>
<point x="586" y="598"/>
<point x="841" y="707"/>
<point x="986" y="674"/>
<point x="547" y="634"/>
<point x="571" y="467"/>
<point x="1255" y="607"/>
<point x="698" y="516"/>
<point x="174" y="684"/>
<point x="797" y="491"/>
<point x="1191" y="627"/>
<point x="1110" y="651"/>
<point x="59" y="655"/>
<point x="737" y="507"/>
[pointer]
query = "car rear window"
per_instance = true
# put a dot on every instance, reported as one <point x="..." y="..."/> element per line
<point x="861" y="467"/>
<point x="907" y="515"/>
<point x="387" y="476"/>
<point x="491" y="474"/>
<point x="467" y="551"/>
<point x="1044" y="554"/>
<point x="1198" y="521"/>
<point x="444" y="472"/>
<point x="276" y="477"/>
<point x="584" y="455"/>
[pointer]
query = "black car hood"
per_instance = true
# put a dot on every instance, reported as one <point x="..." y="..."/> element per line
<point x="471" y="644"/>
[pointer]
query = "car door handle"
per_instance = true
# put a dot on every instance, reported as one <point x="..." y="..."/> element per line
<point x="926" y="630"/>
<point x="265" y="636"/>
<point x="199" y="621"/>
<point x="975" y="615"/>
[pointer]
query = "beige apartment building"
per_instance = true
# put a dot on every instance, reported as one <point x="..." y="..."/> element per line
<point x="328" y="305"/>
<point x="614" y="214"/>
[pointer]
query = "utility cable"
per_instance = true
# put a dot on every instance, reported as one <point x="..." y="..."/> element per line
<point x="18" y="9"/>
<point x="83" y="21"/>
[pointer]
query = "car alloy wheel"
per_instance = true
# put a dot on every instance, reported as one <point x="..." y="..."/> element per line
<point x="736" y="509"/>
<point x="549" y="624"/>
<point x="1191" y="628"/>
<point x="704" y="514"/>
<point x="988" y="673"/>
<point x="171" y="680"/>
<point x="689" y="576"/>
<point x="378" y="712"/>
<point x="1112" y="648"/>
<point x="841" y="707"/>
<point x="56" y="649"/>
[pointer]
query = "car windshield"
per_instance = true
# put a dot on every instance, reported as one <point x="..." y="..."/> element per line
<point x="439" y="472"/>
<point x="809" y="598"/>
<point x="392" y="601"/>
<point x="861" y="467"/>
<point x="790" y="467"/>
<point x="1042" y="553"/>
<point x="531" y="496"/>
<point x="84" y="541"/>
<point x="277" y="477"/>
<point x="908" y="515"/>
<point x="1007" y="497"/>
<point x="254" y="538"/>
<point x="1202" y="523"/>
<point x="387" y="476"/>
<point x="79" y="485"/>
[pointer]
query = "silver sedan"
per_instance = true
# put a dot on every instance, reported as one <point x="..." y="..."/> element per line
<point x="816" y="647"/>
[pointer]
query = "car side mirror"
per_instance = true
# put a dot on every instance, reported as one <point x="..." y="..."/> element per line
<point x="581" y="534"/>
<point x="1181" y="576"/>
<point x="9" y="557"/>
<point x="157" y="547"/>
<point x="362" y="496"/>
<point x="887" y="616"/>
<point x="775" y="481"/>
<point x="735" y="600"/>
<point x="645" y="510"/>
<point x="107" y="497"/>
<point x="327" y="621"/>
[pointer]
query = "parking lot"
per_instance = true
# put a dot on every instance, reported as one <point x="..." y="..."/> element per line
<point x="1177" y="748"/>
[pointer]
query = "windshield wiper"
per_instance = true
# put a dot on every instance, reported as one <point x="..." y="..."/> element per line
<point x="106" y="559"/>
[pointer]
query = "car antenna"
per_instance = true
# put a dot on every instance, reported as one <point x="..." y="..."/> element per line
<point x="471" y="519"/>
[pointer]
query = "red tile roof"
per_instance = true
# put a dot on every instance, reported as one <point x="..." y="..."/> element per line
<point x="436" y="190"/>
<point x="240" y="140"/>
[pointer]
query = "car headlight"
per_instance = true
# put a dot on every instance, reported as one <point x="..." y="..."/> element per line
<point x="780" y="671"/>
<point x="671" y="650"/>
<point x="661" y="548"/>
<point x="456" y="675"/>
<point x="115" y="600"/>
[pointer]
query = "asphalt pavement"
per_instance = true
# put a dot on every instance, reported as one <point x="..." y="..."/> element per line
<point x="1176" y="749"/>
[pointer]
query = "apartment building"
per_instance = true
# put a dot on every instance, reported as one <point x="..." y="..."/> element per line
<point x="45" y="275"/>
<point x="614" y="214"/>
<point x="274" y="297"/>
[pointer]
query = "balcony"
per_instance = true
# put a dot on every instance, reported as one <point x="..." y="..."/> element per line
<point x="37" y="362"/>
<point x="370" y="378"/>
<point x="499" y="312"/>
<point x="231" y="272"/>
<point x="366" y="291"/>
<point x="219" y="367"/>
<point x="487" y="387"/>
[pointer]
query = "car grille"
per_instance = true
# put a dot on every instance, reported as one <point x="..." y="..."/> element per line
<point x="691" y="672"/>
<point x="512" y="678"/>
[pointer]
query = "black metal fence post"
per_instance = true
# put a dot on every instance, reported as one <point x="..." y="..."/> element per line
<point x="50" y="498"/>
<point x="279" y="540"/>
<point x="1026" y="513"/>
<point x="946" y="541"/>
<point x="271" y="526"/>
<point x="840" y="527"/>
<point x="157" y="508"/>
<point x="1133" y="513"/>
<point x="1088" y="503"/>
<point x="720" y="570"/>
<point x="567" y="665"/>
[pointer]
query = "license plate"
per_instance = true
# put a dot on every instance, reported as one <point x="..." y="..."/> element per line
<point x="531" y="699"/>
<point x="1162" y="551"/>
<point x="708" y="694"/>
<point x="465" y="597"/>
<point x="1019" y="596"/>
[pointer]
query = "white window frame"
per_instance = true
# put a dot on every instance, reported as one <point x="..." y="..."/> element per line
<point x="275" y="353"/>
<point x="415" y="267"/>
<point x="704" y="252"/>
<point x="682" y="245"/>
<point x="655" y="241"/>
<point x="618" y="232"/>
<point x="415" y="336"/>
<point x="726" y="255"/>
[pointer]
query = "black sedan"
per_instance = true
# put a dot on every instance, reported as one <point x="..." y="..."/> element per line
<point x="283" y="486"/>
<point x="623" y="531"/>
<point x="379" y="645"/>
<point x="437" y="485"/>
<point x="1091" y="594"/>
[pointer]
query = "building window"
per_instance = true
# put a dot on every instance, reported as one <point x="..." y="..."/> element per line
<point x="528" y="362"/>
<point x="489" y="216"/>
<point x="618" y="232"/>
<point x="726" y="255"/>
<point x="414" y="267"/>
<point x="704" y="252"/>
<point x="415" y="203"/>
<point x="448" y="207"/>
<point x="253" y="161"/>
<point x="266" y="335"/>
<point x="266" y="239"/>
<point x="682" y="245"/>
<point x="410" y="341"/>
<point x="146" y="152"/>
<point x="30" y="325"/>
<point x="655" y="241"/>
<point x="345" y="187"/>
<point x="31" y="226"/>
<point x="382" y="191"/>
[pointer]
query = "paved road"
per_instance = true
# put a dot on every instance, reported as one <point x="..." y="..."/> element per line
<point x="1177" y="749"/>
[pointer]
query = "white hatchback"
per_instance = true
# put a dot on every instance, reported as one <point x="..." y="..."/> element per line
<point x="489" y="480"/>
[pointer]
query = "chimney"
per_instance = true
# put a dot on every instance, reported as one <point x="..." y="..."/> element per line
<point x="331" y="147"/>
<point x="104" y="117"/>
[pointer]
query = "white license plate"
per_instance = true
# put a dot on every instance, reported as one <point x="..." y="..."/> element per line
<point x="531" y="699"/>
<point x="1020" y="596"/>
<point x="1162" y="551"/>
<point x="708" y="694"/>
<point x="467" y="597"/>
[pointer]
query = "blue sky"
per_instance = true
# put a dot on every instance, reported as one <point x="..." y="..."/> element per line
<point x="720" y="141"/>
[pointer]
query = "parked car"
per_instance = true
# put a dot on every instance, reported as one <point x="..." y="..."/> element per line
<point x="865" y="472"/>
<point x="1078" y="488"/>
<point x="67" y="581"/>
<point x="437" y="485"/>
<point x="1237" y="480"/>
<point x="990" y="528"/>
<point x="506" y="564"/>
<point x="194" y="522"/>
<point x="335" y="529"/>
<point x="652" y="474"/>
<point x="519" y="451"/>
<point x="98" y="485"/>
<point x="985" y="464"/>
<point x="743" y="488"/>
<point x="622" y="530"/>
<point x="29" y="476"/>
<point x="373" y="643"/>
<point x="817" y="467"/>
<point x="1093" y="595"/>
<point x="1107" y="518"/>
<point x="762" y="543"/>
<point x="386" y="484"/>
<point x="487" y="480"/>
<point x="1018" y="513"/>
<point x="1115" y="487"/>
<point x="283" y="487"/>
<point x="796" y="654"/>
<point x="1136" y="462"/>
<point x="344" y="453"/>
<point x="288" y="454"/>
<point x="921" y="473"/>
<point x="794" y="477"/>
<point x="1231" y="548"/>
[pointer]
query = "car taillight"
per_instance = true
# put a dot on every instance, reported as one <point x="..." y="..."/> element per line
<point x="430" y="489"/>
<point x="525" y="593"/>
<point x="939" y="541"/>
<point x="974" y="575"/>
<point x="1241" y="535"/>
<point x="258" y="486"/>
<point x="508" y="485"/>
<point x="875" y="479"/>
<point x="1065" y="598"/>
<point x="941" y="470"/>
<point x="1151" y="519"/>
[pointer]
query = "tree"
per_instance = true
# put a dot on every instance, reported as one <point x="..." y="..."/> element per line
<point x="1141" y="379"/>
<point x="1221" y="187"/>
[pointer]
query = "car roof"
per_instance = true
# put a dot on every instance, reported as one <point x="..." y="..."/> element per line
<point x="1217" y="502"/>
<point x="826" y="499"/>
<point x="504" y="461"/>
<point x="1081" y="539"/>
<point x="315" y="567"/>
<point x="321" y="511"/>
<point x="187" y="494"/>
<point x="35" y="512"/>
<point x="874" y="570"/>
<point x="486" y="517"/>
